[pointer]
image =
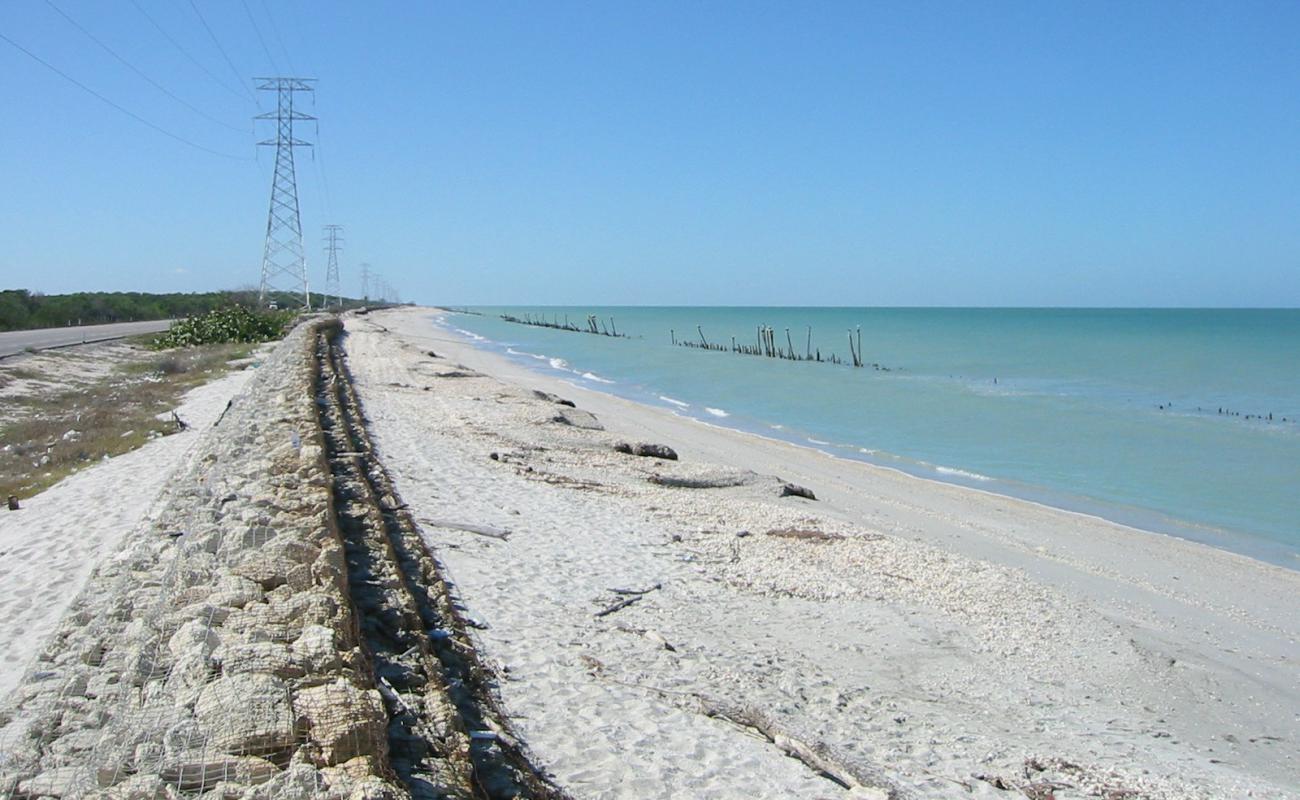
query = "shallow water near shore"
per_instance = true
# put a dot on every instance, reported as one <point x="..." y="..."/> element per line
<point x="1159" y="419"/>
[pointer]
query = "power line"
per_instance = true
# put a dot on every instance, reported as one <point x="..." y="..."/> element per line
<point x="185" y="52"/>
<point x="139" y="72"/>
<point x="275" y="29"/>
<point x="318" y="161"/>
<point x="104" y="99"/>
<point x="260" y="40"/>
<point x="229" y="63"/>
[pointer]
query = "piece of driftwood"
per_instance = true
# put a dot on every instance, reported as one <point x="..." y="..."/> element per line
<point x="619" y="606"/>
<point x="481" y="530"/>
<point x="863" y="783"/>
<point x="637" y="591"/>
<point x="805" y="534"/>
<point x="629" y="596"/>
<point x="647" y="450"/>
<point x="795" y="490"/>
<point x="553" y="398"/>
<point x="807" y="755"/>
<point x="658" y="639"/>
<point x="578" y="418"/>
<point x="222" y="415"/>
<point x="748" y="718"/>
<point x="654" y="637"/>
<point x="701" y="482"/>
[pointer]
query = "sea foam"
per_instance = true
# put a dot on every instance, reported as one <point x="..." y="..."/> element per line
<point x="961" y="473"/>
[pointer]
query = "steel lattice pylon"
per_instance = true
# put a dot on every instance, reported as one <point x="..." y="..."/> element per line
<point x="284" y="263"/>
<point x="333" y="244"/>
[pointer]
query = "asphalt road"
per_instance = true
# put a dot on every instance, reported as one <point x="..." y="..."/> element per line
<point x="12" y="342"/>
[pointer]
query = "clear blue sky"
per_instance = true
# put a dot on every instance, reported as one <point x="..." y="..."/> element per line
<point x="671" y="153"/>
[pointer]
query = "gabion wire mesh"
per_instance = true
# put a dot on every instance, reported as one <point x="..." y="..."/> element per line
<point x="220" y="659"/>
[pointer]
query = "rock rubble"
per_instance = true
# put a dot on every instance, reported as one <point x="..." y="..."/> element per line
<point x="217" y="654"/>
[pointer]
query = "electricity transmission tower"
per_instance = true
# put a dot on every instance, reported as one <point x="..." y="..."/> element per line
<point x="284" y="263"/>
<point x="365" y="282"/>
<point x="333" y="244"/>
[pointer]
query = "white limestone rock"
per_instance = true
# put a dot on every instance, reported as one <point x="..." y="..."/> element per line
<point x="342" y="721"/>
<point x="246" y="714"/>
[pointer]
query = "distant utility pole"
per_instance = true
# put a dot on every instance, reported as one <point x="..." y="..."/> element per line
<point x="333" y="244"/>
<point x="284" y="263"/>
<point x="365" y="282"/>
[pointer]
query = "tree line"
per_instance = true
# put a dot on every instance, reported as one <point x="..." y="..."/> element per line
<point x="21" y="309"/>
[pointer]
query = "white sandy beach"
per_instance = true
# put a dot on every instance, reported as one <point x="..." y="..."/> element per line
<point x="931" y="639"/>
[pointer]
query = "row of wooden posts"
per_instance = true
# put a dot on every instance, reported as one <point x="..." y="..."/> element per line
<point x="594" y="325"/>
<point x="769" y="346"/>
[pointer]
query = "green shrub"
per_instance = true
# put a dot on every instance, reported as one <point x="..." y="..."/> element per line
<point x="226" y="325"/>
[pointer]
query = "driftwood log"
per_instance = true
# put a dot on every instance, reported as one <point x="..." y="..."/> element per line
<point x="807" y="754"/>
<point x="724" y="481"/>
<point x="628" y="597"/>
<point x="481" y="530"/>
<point x="647" y="450"/>
<point x="795" y="490"/>
<point x="578" y="418"/>
<point x="620" y="605"/>
<point x="553" y="398"/>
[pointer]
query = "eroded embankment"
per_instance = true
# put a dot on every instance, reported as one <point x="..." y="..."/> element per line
<point x="221" y="652"/>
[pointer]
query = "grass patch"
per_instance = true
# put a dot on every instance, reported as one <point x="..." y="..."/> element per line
<point x="67" y="429"/>
<point x="23" y="374"/>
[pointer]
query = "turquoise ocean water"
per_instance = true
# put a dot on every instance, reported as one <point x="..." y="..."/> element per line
<point x="1113" y="412"/>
